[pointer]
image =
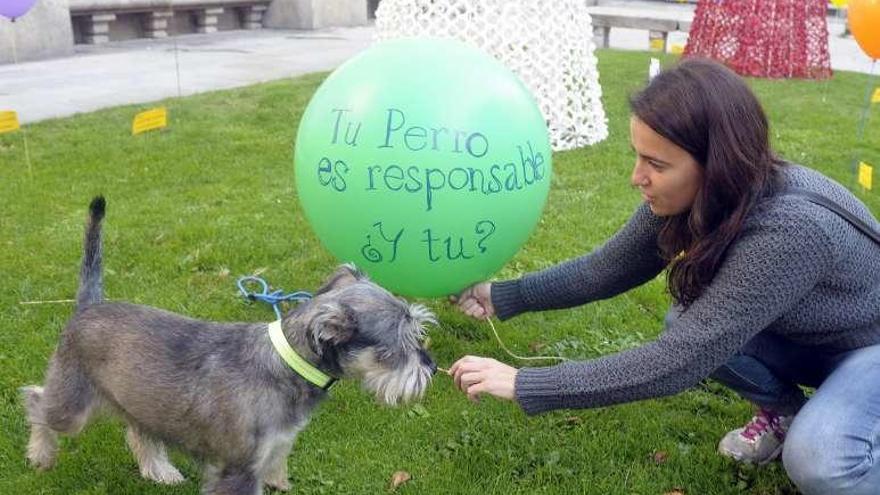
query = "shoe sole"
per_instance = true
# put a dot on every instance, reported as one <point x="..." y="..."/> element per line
<point x="739" y="458"/>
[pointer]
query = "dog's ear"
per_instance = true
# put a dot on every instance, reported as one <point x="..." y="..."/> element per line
<point x="346" y="274"/>
<point x="332" y="323"/>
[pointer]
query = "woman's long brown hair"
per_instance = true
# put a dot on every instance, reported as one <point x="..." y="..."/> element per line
<point x="710" y="112"/>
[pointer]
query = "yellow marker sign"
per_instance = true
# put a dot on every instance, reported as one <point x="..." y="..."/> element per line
<point x="8" y="121"/>
<point x="676" y="49"/>
<point x="875" y="98"/>
<point x="866" y="173"/>
<point x="657" y="44"/>
<point x="156" y="118"/>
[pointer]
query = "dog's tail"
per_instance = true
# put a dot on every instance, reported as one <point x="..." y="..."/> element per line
<point x="91" y="281"/>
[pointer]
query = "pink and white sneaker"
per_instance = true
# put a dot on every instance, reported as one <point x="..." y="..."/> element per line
<point x="759" y="441"/>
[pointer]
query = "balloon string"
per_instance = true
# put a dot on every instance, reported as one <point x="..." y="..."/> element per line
<point x="511" y="353"/>
<point x="516" y="356"/>
<point x="27" y="154"/>
<point x="174" y="40"/>
<point x="862" y="121"/>
<point x="12" y="37"/>
<point x="867" y="105"/>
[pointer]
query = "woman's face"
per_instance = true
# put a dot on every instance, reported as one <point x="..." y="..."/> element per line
<point x="667" y="175"/>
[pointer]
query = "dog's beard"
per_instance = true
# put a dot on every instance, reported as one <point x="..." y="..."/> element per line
<point x="398" y="385"/>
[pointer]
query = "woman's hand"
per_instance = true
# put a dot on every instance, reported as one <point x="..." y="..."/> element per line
<point x="475" y="375"/>
<point x="476" y="301"/>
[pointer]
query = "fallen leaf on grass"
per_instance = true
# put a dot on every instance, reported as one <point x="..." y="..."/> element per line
<point x="660" y="457"/>
<point x="399" y="478"/>
<point x="418" y="410"/>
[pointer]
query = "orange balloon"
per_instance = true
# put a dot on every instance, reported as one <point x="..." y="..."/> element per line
<point x="864" y="22"/>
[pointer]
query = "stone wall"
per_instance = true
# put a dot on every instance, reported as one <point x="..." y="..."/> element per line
<point x="52" y="27"/>
<point x="316" y="14"/>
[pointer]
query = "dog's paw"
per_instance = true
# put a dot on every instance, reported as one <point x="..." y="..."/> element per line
<point x="42" y="448"/>
<point x="279" y="484"/>
<point x="166" y="475"/>
<point x="42" y="461"/>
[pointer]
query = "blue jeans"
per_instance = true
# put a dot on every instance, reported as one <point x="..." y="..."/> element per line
<point x="833" y="444"/>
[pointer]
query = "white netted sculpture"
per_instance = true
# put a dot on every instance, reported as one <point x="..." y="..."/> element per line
<point x="547" y="43"/>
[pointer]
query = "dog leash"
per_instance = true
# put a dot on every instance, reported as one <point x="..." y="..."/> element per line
<point x="275" y="298"/>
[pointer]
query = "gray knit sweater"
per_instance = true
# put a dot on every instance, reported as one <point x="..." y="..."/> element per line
<point x="797" y="270"/>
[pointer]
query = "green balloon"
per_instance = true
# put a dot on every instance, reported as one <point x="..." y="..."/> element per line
<point x="425" y="162"/>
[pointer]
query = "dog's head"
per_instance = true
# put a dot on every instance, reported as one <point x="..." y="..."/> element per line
<point x="362" y="331"/>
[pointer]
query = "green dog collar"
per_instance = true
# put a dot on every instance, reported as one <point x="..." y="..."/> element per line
<point x="296" y="362"/>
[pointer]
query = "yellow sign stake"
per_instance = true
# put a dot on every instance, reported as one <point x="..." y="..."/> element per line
<point x="156" y="118"/>
<point x="866" y="174"/>
<point x="9" y="121"/>
<point x="875" y="98"/>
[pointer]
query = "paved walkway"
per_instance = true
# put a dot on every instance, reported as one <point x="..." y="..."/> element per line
<point x="140" y="71"/>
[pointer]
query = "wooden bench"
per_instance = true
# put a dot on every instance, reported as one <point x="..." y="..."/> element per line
<point x="95" y="16"/>
<point x="658" y="25"/>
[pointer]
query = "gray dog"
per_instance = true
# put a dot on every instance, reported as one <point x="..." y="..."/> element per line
<point x="223" y="392"/>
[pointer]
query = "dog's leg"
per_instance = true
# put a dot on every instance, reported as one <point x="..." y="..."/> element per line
<point x="43" y="444"/>
<point x="275" y="469"/>
<point x="277" y="477"/>
<point x="64" y="405"/>
<point x="69" y="397"/>
<point x="210" y="475"/>
<point x="231" y="480"/>
<point x="152" y="458"/>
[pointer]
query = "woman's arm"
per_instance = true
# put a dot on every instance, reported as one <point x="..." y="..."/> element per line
<point x="772" y="266"/>
<point x="630" y="258"/>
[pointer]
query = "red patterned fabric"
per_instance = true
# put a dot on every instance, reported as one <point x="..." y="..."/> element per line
<point x="763" y="38"/>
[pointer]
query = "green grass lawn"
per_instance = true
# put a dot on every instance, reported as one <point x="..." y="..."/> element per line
<point x="212" y="198"/>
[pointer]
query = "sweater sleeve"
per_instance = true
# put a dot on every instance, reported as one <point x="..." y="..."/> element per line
<point x="630" y="258"/>
<point x="770" y="268"/>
